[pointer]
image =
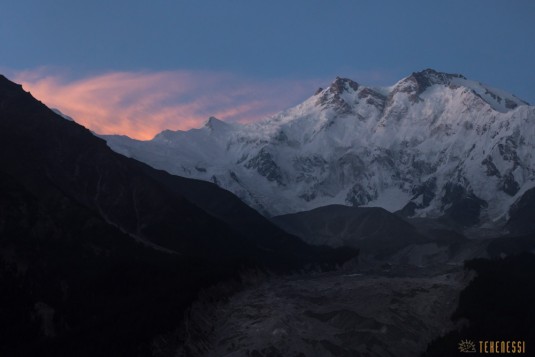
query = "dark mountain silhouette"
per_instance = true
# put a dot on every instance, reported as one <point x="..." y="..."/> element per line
<point x="100" y="253"/>
<point x="497" y="305"/>
<point x="228" y="208"/>
<point x="521" y="214"/>
<point x="372" y="229"/>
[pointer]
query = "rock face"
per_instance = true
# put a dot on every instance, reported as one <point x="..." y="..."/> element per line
<point x="432" y="145"/>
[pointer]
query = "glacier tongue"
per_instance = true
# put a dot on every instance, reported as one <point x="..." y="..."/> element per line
<point x="432" y="144"/>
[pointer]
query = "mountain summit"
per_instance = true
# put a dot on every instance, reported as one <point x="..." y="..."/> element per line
<point x="432" y="145"/>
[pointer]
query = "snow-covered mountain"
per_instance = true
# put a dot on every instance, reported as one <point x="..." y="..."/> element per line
<point x="432" y="144"/>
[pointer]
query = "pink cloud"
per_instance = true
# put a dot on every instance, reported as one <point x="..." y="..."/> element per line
<point x="141" y="104"/>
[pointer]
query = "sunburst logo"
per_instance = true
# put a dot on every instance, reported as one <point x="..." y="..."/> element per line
<point x="467" y="346"/>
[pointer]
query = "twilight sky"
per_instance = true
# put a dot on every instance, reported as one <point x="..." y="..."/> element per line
<point x="137" y="67"/>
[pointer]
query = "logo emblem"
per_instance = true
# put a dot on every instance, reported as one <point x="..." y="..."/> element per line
<point x="467" y="346"/>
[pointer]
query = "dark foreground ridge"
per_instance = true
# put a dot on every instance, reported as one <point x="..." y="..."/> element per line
<point x="100" y="253"/>
<point x="496" y="306"/>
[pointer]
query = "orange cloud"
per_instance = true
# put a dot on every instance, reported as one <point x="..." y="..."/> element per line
<point x="141" y="104"/>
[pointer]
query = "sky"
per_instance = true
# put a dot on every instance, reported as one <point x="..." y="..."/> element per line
<point x="138" y="67"/>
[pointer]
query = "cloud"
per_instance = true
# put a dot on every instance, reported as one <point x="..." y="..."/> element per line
<point x="141" y="104"/>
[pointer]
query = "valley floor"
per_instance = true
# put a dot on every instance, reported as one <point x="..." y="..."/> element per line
<point x="350" y="313"/>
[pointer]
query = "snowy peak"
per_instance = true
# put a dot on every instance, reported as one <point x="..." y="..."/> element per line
<point x="340" y="95"/>
<point x="428" y="77"/>
<point x="344" y="95"/>
<point x="215" y="124"/>
<point x="418" y="82"/>
<point x="212" y="125"/>
<point x="165" y="136"/>
<point x="341" y="85"/>
<point x="429" y="144"/>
